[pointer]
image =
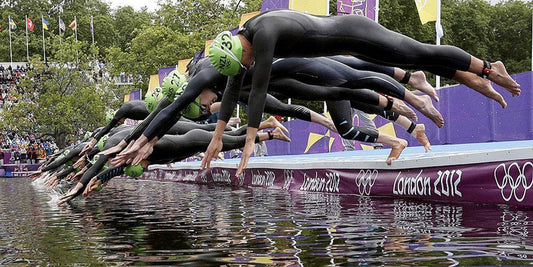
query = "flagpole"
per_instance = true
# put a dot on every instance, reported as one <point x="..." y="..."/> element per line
<point x="92" y="34"/>
<point x="59" y="28"/>
<point x="437" y="25"/>
<point x="44" y="46"/>
<point x="27" y="47"/>
<point x="76" y="34"/>
<point x="10" y="47"/>
<point x="376" y="12"/>
<point x="92" y="29"/>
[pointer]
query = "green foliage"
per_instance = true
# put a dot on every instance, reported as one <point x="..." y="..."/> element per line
<point x="67" y="97"/>
<point x="140" y="42"/>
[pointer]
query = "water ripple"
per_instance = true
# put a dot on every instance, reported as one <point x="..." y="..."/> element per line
<point x="149" y="223"/>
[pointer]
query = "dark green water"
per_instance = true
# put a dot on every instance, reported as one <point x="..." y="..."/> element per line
<point x="156" y="223"/>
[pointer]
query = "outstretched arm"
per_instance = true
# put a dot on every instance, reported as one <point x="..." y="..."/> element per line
<point x="229" y="101"/>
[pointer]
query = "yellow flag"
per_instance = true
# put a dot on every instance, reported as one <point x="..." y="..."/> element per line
<point x="427" y="10"/>
<point x="182" y="65"/>
<point x="315" y="7"/>
<point x="245" y="17"/>
<point x="154" y="82"/>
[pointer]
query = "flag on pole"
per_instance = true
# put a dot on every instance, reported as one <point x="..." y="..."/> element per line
<point x="45" y="24"/>
<point x="72" y="25"/>
<point x="61" y="24"/>
<point x="427" y="10"/>
<point x="29" y="24"/>
<point x="12" y="24"/>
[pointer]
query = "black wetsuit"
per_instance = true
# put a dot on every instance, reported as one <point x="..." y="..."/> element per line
<point x="204" y="75"/>
<point x="69" y="154"/>
<point x="135" y="110"/>
<point x="171" y="147"/>
<point x="287" y="33"/>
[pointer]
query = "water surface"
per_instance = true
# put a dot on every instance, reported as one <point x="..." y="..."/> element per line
<point x="164" y="223"/>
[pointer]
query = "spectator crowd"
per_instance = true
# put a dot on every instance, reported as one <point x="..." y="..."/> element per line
<point x="18" y="147"/>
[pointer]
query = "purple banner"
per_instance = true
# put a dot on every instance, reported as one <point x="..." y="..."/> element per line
<point x="135" y="95"/>
<point x="163" y="72"/>
<point x="470" y="117"/>
<point x="487" y="183"/>
<point x="274" y="4"/>
<point x="364" y="8"/>
<point x="307" y="138"/>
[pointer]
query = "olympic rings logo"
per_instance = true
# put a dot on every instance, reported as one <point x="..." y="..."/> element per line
<point x="511" y="182"/>
<point x="365" y="180"/>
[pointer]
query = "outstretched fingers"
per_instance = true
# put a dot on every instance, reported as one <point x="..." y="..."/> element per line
<point x="215" y="146"/>
<point x="72" y="193"/>
<point x="246" y="154"/>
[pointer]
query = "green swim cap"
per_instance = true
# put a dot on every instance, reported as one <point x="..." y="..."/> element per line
<point x="152" y="99"/>
<point x="109" y="114"/>
<point x="192" y="111"/>
<point x="173" y="85"/>
<point x="87" y="135"/>
<point x="226" y="53"/>
<point x="133" y="171"/>
<point x="101" y="142"/>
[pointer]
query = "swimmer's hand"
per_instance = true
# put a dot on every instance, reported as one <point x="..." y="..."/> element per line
<point x="248" y="149"/>
<point x="215" y="146"/>
<point x="88" y="147"/>
<point x="94" y="185"/>
<point x="144" y="152"/>
<point x="35" y="175"/>
<point x="130" y="152"/>
<point x="122" y="157"/>
<point x="72" y="193"/>
<point x="114" y="149"/>
<point x="79" y="163"/>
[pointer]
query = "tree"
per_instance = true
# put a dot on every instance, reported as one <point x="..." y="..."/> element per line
<point x="59" y="99"/>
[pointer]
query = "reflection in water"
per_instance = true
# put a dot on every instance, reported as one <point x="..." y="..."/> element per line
<point x="143" y="222"/>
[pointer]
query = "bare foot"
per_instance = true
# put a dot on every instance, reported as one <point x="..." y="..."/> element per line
<point x="419" y="82"/>
<point x="486" y="89"/>
<point x="500" y="76"/>
<point x="420" y="134"/>
<point x="480" y="85"/>
<point x="426" y="107"/>
<point x="278" y="134"/>
<point x="272" y="122"/>
<point x="396" y="150"/>
<point x="401" y="108"/>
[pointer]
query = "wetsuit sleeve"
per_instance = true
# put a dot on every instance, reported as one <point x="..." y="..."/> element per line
<point x="171" y="114"/>
<point x="231" y="95"/>
<point x="264" y="44"/>
<point x="107" y="128"/>
<point x="144" y="124"/>
<point x="94" y="170"/>
<point x="60" y="161"/>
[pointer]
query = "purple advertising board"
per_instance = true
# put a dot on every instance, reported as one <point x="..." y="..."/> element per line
<point x="163" y="72"/>
<point x="366" y="8"/>
<point x="488" y="183"/>
<point x="274" y="4"/>
<point x="469" y="118"/>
